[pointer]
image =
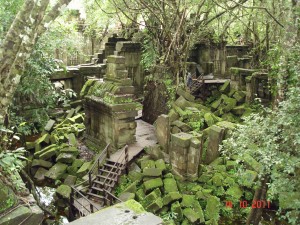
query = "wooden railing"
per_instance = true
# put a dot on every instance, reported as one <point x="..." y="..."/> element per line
<point x="75" y="196"/>
<point x="97" y="164"/>
<point x="112" y="176"/>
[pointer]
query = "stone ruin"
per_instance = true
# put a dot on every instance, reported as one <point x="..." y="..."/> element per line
<point x="187" y="149"/>
<point x="109" y="108"/>
<point x="75" y="76"/>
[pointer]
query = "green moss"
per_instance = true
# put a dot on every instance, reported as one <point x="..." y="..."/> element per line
<point x="152" y="184"/>
<point x="170" y="185"/>
<point x="135" y="206"/>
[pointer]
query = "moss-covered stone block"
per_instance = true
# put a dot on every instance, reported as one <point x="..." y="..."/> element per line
<point x="217" y="179"/>
<point x="191" y="215"/>
<point x="135" y="176"/>
<point x="41" y="163"/>
<point x="155" y="206"/>
<point x="131" y="187"/>
<point x="176" y="208"/>
<point x="216" y="104"/>
<point x="235" y="192"/>
<point x="252" y="163"/>
<point x="172" y="197"/>
<point x="83" y="169"/>
<point x="64" y="191"/>
<point x="151" y="197"/>
<point x="70" y="180"/>
<point x="188" y="200"/>
<point x="160" y="164"/>
<point x="152" y="172"/>
<point x="240" y="96"/>
<point x="170" y="185"/>
<point x="140" y="195"/>
<point x="57" y="171"/>
<point x="247" y="178"/>
<point x="212" y="208"/>
<point x="225" y="88"/>
<point x="152" y="184"/>
<point x="65" y="158"/>
<point x="182" y="126"/>
<point x="205" y="178"/>
<point x="125" y="196"/>
<point x="70" y="150"/>
<point x="173" y="115"/>
<point x="147" y="164"/>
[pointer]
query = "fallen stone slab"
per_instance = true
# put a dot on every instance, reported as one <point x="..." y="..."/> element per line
<point x="152" y="184"/>
<point x="41" y="163"/>
<point x="49" y="126"/>
<point x="57" y="171"/>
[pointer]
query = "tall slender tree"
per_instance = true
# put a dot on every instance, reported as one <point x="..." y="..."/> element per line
<point x="31" y="21"/>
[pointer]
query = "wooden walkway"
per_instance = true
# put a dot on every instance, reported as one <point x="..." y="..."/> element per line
<point x="145" y="136"/>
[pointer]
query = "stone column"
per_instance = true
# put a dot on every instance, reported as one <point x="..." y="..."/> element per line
<point x="132" y="52"/>
<point x="185" y="155"/>
<point x="162" y="128"/>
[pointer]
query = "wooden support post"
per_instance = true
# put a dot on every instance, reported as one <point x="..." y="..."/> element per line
<point x="90" y="179"/>
<point x="126" y="159"/>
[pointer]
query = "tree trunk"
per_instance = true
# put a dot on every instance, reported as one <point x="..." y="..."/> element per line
<point x="31" y="21"/>
<point x="254" y="216"/>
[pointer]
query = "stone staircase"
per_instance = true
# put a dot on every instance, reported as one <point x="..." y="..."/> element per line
<point x="97" y="192"/>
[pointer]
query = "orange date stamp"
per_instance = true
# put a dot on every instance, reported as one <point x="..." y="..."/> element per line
<point x="255" y="204"/>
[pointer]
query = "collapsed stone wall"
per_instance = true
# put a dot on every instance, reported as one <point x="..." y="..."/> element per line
<point x="191" y="133"/>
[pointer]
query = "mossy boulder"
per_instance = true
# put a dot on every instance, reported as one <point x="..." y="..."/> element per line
<point x="170" y="185"/>
<point x="152" y="184"/>
<point x="77" y="163"/>
<point x="64" y="191"/>
<point x="57" y="171"/>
